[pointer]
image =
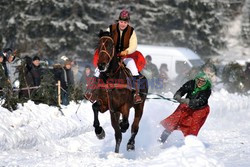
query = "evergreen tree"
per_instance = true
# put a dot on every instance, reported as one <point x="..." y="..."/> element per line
<point x="66" y="26"/>
<point x="46" y="93"/>
<point x="25" y="79"/>
<point x="192" y="24"/>
<point x="233" y="78"/>
<point x="76" y="93"/>
<point x="6" y="92"/>
<point x="245" y="28"/>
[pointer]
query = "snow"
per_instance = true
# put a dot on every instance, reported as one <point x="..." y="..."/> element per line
<point x="12" y="20"/>
<point x="81" y="25"/>
<point x="38" y="135"/>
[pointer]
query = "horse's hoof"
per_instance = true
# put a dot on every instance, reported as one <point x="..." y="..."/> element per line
<point x="101" y="134"/>
<point x="130" y="147"/>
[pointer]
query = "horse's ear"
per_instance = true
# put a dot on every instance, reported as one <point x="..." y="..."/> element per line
<point x="103" y="33"/>
<point x="100" y="33"/>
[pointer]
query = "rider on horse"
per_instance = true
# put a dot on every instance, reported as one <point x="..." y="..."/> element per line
<point x="106" y="94"/>
<point x="125" y="42"/>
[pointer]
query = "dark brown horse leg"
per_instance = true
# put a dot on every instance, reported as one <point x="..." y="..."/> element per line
<point x="135" y="126"/>
<point x="115" y="124"/>
<point x="100" y="133"/>
<point x="124" y="124"/>
<point x="131" y="142"/>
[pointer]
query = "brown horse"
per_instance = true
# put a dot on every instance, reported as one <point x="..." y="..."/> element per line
<point x="113" y="91"/>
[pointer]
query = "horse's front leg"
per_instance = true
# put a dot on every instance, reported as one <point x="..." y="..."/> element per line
<point x="131" y="141"/>
<point x="118" y="134"/>
<point x="100" y="133"/>
<point x="124" y="124"/>
<point x="135" y="126"/>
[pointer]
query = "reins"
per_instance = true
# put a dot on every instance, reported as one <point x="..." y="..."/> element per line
<point x="103" y="48"/>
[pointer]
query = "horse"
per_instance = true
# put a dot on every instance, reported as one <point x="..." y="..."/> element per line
<point x="113" y="91"/>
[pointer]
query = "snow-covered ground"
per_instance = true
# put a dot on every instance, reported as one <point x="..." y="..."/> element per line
<point x="38" y="135"/>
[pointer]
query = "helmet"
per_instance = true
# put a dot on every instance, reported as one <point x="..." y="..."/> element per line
<point x="124" y="15"/>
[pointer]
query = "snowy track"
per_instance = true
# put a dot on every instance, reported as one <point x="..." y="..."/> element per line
<point x="37" y="135"/>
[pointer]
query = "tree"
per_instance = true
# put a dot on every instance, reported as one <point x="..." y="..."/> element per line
<point x="190" y="23"/>
<point x="245" y="28"/>
<point x="6" y="93"/>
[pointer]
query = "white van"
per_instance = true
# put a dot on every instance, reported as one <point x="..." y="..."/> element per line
<point x="178" y="59"/>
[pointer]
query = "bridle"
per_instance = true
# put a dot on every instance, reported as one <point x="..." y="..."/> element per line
<point x="103" y="49"/>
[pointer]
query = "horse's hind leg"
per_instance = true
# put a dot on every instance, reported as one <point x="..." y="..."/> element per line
<point x="100" y="133"/>
<point x="115" y="124"/>
<point x="135" y="126"/>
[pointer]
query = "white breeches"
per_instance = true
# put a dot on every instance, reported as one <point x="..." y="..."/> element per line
<point x="97" y="72"/>
<point x="130" y="64"/>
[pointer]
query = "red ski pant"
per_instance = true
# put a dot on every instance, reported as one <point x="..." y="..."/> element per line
<point x="188" y="120"/>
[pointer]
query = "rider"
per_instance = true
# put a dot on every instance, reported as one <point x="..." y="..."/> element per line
<point x="125" y="41"/>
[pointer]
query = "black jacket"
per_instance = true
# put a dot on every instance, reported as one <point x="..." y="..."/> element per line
<point x="197" y="101"/>
<point x="36" y="73"/>
<point x="65" y="76"/>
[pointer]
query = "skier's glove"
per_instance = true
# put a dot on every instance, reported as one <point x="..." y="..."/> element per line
<point x="177" y="97"/>
<point x="185" y="101"/>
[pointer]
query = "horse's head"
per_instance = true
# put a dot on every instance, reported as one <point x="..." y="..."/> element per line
<point x="106" y="51"/>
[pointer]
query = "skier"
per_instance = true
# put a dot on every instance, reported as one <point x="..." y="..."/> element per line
<point x="193" y="110"/>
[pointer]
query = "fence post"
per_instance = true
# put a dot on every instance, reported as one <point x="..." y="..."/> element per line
<point x="59" y="92"/>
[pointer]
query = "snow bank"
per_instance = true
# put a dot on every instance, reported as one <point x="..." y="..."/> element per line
<point x="39" y="135"/>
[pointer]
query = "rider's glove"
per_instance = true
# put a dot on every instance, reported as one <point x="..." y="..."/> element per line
<point x="124" y="53"/>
